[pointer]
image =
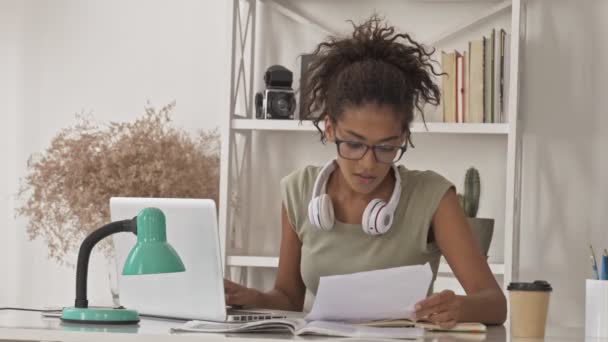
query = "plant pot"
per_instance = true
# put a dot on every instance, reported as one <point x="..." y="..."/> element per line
<point x="482" y="229"/>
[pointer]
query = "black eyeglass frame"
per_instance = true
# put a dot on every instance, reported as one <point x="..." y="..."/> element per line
<point x="401" y="152"/>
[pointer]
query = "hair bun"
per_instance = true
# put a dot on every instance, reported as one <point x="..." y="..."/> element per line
<point x="375" y="64"/>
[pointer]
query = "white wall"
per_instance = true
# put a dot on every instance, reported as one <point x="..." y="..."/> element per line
<point x="11" y="69"/>
<point x="108" y="59"/>
<point x="566" y="130"/>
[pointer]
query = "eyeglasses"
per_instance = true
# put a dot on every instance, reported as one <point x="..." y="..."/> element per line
<point x="355" y="150"/>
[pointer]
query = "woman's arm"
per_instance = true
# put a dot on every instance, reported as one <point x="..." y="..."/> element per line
<point x="289" y="289"/>
<point x="485" y="302"/>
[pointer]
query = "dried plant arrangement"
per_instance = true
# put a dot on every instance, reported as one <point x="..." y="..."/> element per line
<point x="66" y="191"/>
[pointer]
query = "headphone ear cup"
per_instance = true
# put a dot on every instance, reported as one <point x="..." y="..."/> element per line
<point x="384" y="219"/>
<point x="378" y="215"/>
<point x="370" y="213"/>
<point x="326" y="212"/>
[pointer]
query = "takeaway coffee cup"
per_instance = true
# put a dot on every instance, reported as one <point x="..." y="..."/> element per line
<point x="529" y="306"/>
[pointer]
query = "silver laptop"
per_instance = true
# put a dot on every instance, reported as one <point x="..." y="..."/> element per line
<point x="197" y="293"/>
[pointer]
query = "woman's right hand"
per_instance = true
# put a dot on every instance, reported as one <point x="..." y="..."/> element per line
<point x="239" y="295"/>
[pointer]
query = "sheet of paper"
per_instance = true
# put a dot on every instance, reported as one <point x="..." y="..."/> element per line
<point x="382" y="294"/>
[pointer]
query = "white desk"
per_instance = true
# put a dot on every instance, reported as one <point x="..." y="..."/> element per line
<point x="30" y="326"/>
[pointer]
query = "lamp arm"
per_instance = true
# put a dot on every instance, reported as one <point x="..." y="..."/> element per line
<point x="84" y="253"/>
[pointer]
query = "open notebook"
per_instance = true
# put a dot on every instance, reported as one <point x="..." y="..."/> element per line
<point x="299" y="326"/>
<point x="397" y="328"/>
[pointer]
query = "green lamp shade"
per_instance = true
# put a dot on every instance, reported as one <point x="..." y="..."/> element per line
<point x="152" y="254"/>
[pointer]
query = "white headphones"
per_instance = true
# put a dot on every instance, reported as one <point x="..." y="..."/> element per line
<point x="377" y="217"/>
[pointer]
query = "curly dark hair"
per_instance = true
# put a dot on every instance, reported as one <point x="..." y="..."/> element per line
<point x="374" y="65"/>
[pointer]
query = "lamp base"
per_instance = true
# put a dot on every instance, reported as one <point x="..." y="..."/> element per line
<point x="98" y="315"/>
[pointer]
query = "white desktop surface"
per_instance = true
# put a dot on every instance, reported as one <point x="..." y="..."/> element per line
<point x="31" y="326"/>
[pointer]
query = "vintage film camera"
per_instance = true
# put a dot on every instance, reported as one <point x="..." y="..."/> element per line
<point x="278" y="100"/>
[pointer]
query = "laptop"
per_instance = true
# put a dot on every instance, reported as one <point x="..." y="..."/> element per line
<point x="197" y="293"/>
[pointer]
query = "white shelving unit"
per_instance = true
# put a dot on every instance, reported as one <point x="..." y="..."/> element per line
<point x="273" y="262"/>
<point x="417" y="127"/>
<point x="236" y="159"/>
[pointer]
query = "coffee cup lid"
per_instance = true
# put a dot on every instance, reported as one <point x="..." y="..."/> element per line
<point x="537" y="285"/>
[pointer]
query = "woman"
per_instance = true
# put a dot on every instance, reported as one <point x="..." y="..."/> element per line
<point x="361" y="212"/>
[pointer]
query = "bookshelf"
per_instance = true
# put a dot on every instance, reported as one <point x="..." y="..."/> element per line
<point x="240" y="130"/>
<point x="273" y="262"/>
<point x="417" y="127"/>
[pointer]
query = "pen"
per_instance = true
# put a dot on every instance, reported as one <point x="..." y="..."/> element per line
<point x="605" y="265"/>
<point x="594" y="263"/>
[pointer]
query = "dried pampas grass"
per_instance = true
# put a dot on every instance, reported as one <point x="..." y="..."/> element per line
<point x="67" y="188"/>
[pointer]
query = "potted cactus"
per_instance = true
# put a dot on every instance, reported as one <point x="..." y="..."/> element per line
<point x="482" y="228"/>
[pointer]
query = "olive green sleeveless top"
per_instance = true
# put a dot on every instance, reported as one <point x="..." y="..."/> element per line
<point x="346" y="248"/>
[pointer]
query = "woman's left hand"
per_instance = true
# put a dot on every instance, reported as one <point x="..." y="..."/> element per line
<point x="442" y="308"/>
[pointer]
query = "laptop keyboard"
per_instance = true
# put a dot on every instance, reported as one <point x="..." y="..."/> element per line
<point x="236" y="315"/>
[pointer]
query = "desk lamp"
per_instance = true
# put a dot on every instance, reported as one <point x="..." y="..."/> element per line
<point x="152" y="254"/>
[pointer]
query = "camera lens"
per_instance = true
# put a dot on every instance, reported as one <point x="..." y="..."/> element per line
<point x="282" y="105"/>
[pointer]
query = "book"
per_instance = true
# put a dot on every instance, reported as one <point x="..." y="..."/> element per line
<point x="460" y="84"/>
<point x="498" y="74"/>
<point x="503" y="65"/>
<point x="305" y="62"/>
<point x="492" y="75"/>
<point x="488" y="79"/>
<point x="393" y="328"/>
<point x="448" y="64"/>
<point x="475" y="90"/>
<point x="300" y="326"/>
<point x="466" y="85"/>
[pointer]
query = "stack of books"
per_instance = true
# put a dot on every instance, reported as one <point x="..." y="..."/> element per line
<point x="475" y="82"/>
